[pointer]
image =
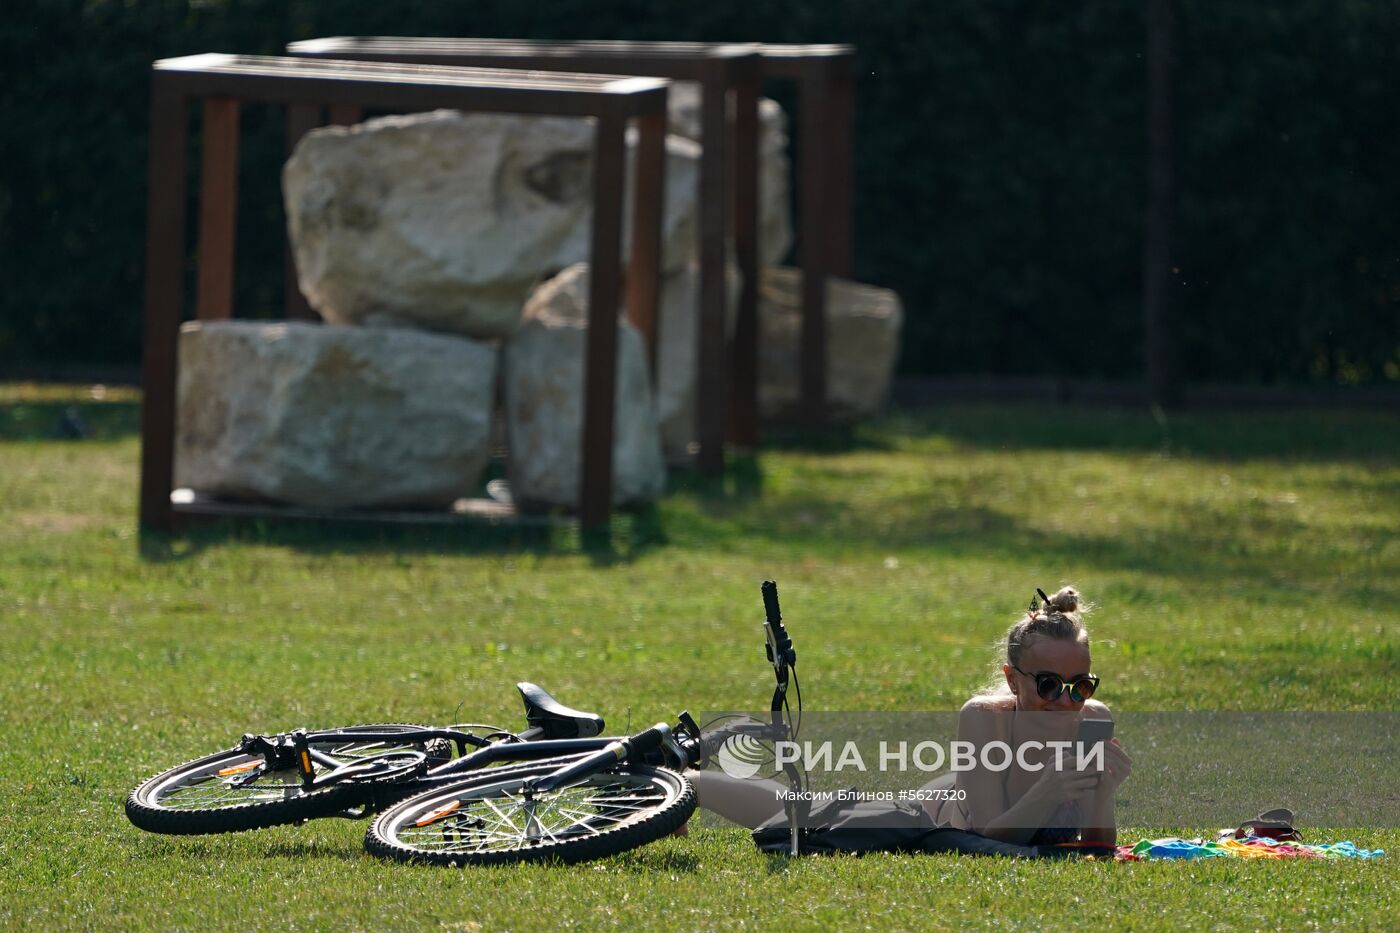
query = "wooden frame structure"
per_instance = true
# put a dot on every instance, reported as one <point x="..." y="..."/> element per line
<point x="825" y="82"/>
<point x="719" y="69"/>
<point x="224" y="82"/>
<point x="825" y="78"/>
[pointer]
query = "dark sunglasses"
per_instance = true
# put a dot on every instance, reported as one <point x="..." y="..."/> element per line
<point x="1049" y="685"/>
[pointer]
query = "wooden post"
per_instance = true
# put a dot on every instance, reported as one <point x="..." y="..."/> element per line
<point x="648" y="204"/>
<point x="218" y="209"/>
<point x="814" y="239"/>
<point x="841" y="135"/>
<point x="743" y="389"/>
<point x="711" y="410"/>
<point x="165" y="252"/>
<point x="604" y="293"/>
<point x="346" y="114"/>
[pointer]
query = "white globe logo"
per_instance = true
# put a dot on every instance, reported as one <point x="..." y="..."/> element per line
<point x="741" y="756"/>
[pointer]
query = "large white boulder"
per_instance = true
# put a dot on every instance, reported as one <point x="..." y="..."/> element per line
<point x="678" y="322"/>
<point x="774" y="167"/>
<point x="331" y="417"/>
<point x="863" y="323"/>
<point x="445" y="220"/>
<point x="543" y="369"/>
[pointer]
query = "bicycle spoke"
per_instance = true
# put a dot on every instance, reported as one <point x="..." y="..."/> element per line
<point x="212" y="791"/>
<point x="494" y="819"/>
<point x="584" y="820"/>
<point x="501" y="816"/>
<point x="226" y="784"/>
<point x="609" y="805"/>
<point x="574" y="810"/>
<point x="553" y="806"/>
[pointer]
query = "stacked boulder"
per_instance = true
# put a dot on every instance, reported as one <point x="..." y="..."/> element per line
<point x="543" y="365"/>
<point x="446" y="221"/>
<point x="448" y="253"/>
<point x="332" y="417"/>
<point x="863" y="323"/>
<point x="419" y="239"/>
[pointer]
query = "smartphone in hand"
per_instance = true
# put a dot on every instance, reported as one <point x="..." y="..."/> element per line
<point x="1094" y="731"/>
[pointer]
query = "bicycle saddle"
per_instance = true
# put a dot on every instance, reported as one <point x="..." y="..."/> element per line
<point x="558" y="721"/>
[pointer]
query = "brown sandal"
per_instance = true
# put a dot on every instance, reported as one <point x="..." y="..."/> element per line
<point x="1274" y="824"/>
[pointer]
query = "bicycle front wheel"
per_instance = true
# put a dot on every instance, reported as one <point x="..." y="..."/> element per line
<point x="231" y="791"/>
<point x="495" y="819"/>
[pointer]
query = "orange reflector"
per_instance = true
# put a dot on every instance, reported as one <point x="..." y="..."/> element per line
<point x="439" y="813"/>
<point x="306" y="762"/>
<point x="239" y="769"/>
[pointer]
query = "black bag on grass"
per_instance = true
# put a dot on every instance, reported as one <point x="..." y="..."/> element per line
<point x="864" y="826"/>
<point x="849" y="826"/>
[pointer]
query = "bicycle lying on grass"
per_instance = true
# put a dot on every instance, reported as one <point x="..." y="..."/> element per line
<point x="559" y="790"/>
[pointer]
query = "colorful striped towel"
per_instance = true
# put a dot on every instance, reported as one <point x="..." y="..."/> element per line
<point x="1248" y="847"/>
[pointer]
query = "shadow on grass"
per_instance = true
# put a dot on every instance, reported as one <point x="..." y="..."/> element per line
<point x="298" y="851"/>
<point x="850" y="502"/>
<point x="1263" y="540"/>
<point x="68" y="420"/>
<point x="832" y="439"/>
<point x="1338" y="435"/>
<point x="740" y="484"/>
<point x="628" y="537"/>
<point x="1269" y="548"/>
<point x="1331" y="435"/>
<point x="215" y="849"/>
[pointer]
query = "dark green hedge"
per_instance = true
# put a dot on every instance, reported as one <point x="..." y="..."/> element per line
<point x="1000" y="161"/>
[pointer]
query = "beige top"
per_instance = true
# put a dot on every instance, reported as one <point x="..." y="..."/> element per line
<point x="1016" y="781"/>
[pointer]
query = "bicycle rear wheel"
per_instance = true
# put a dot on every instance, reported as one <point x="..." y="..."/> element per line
<point x="492" y="819"/>
<point x="230" y="791"/>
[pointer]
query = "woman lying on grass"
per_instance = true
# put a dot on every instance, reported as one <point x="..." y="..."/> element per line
<point x="1042" y="694"/>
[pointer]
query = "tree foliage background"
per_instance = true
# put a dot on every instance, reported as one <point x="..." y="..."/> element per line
<point x="1000" y="168"/>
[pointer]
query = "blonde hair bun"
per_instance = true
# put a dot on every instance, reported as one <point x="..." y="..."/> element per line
<point x="1057" y="616"/>
<point x="1065" y="601"/>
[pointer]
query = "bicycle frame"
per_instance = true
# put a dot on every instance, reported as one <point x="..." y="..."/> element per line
<point x="278" y="754"/>
<point x="408" y="770"/>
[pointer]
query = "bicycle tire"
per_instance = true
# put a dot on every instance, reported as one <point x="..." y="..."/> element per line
<point x="473" y="822"/>
<point x="159" y="804"/>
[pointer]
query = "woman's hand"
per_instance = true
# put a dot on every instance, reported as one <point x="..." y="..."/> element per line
<point x="1059" y="784"/>
<point x="1117" y="767"/>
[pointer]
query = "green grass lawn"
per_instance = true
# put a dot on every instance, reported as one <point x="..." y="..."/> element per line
<point x="1241" y="561"/>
